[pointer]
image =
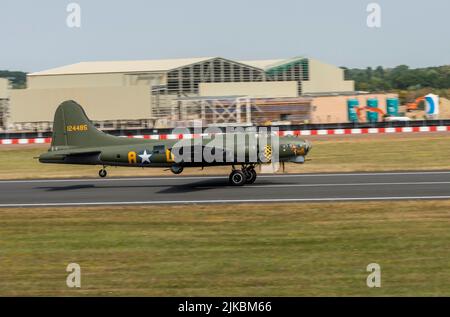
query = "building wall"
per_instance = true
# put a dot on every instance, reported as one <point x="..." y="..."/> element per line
<point x="333" y="109"/>
<point x="4" y="85"/>
<point x="127" y="95"/>
<point x="444" y="108"/>
<point x="272" y="89"/>
<point x="75" y="81"/>
<point x="100" y="103"/>
<point x="326" y="78"/>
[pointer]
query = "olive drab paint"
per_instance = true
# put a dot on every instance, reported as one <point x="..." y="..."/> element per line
<point x="76" y="140"/>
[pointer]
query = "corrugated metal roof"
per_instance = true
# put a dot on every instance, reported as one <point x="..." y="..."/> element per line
<point x="272" y="63"/>
<point x="262" y="64"/>
<point x="159" y="65"/>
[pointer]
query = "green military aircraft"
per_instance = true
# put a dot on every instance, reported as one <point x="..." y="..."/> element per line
<point x="76" y="140"/>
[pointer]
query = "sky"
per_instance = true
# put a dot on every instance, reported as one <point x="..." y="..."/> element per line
<point x="34" y="35"/>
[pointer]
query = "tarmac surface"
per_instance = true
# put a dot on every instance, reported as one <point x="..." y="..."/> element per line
<point x="215" y="189"/>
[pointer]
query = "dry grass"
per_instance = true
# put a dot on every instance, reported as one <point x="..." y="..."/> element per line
<point x="228" y="250"/>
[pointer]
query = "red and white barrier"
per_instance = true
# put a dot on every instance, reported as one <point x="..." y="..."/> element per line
<point x="280" y="133"/>
<point x="366" y="131"/>
<point x="25" y="141"/>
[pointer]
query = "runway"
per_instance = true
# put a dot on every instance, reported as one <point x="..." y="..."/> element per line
<point x="215" y="189"/>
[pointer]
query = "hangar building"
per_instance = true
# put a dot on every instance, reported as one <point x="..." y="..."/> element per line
<point x="160" y="92"/>
<point x="4" y="101"/>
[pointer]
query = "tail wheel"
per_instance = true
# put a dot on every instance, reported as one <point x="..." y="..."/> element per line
<point x="250" y="175"/>
<point x="102" y="173"/>
<point x="237" y="178"/>
<point x="176" y="169"/>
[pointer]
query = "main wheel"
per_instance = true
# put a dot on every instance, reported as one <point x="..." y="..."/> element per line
<point x="250" y="175"/>
<point x="237" y="178"/>
<point x="102" y="173"/>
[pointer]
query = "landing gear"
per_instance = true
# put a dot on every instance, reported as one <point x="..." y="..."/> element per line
<point x="176" y="169"/>
<point x="250" y="175"/>
<point x="102" y="173"/>
<point x="245" y="176"/>
<point x="237" y="178"/>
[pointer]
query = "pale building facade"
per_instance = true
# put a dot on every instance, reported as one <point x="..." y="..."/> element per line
<point x="4" y="102"/>
<point x="143" y="92"/>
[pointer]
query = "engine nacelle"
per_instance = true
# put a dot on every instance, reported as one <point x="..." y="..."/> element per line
<point x="297" y="160"/>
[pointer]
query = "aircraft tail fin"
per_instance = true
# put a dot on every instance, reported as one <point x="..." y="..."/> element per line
<point x="72" y="128"/>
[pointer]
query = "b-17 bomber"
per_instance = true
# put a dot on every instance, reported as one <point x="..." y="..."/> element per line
<point x="76" y="140"/>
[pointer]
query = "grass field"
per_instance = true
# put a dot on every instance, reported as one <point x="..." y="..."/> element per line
<point x="257" y="250"/>
<point x="235" y="250"/>
<point x="330" y="154"/>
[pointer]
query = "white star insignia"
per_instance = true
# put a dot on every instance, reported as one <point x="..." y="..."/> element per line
<point x="145" y="157"/>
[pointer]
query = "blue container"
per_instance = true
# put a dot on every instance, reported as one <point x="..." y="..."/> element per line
<point x="352" y="104"/>
<point x="371" y="115"/>
<point x="392" y="106"/>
